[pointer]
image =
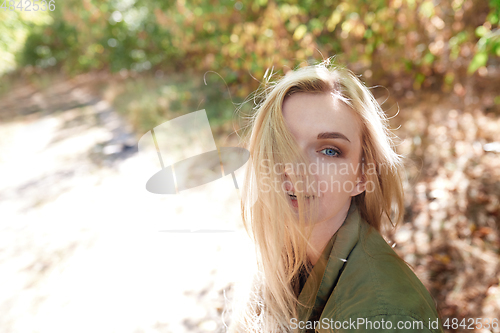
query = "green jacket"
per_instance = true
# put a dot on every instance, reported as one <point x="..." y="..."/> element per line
<point x="365" y="287"/>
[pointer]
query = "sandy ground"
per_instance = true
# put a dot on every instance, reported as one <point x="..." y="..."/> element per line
<point x="83" y="246"/>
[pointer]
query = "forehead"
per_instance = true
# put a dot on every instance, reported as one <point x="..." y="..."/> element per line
<point x="307" y="114"/>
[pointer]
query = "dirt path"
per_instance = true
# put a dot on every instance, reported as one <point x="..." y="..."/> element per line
<point x="81" y="242"/>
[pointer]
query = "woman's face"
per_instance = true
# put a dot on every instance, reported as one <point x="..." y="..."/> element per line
<point x="329" y="134"/>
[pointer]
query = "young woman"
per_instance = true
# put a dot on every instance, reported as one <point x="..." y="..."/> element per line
<point x="325" y="180"/>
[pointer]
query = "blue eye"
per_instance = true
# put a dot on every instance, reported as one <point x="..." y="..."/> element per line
<point x="330" y="152"/>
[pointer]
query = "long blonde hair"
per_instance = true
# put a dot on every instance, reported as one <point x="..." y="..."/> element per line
<point x="280" y="241"/>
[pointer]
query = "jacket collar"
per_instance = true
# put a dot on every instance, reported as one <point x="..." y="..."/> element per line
<point x="320" y="284"/>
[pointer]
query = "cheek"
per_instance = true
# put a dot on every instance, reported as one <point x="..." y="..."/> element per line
<point x="337" y="179"/>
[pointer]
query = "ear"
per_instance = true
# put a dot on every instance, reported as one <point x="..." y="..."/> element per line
<point x="360" y="186"/>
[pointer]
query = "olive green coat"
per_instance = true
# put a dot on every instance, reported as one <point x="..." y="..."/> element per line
<point x="364" y="280"/>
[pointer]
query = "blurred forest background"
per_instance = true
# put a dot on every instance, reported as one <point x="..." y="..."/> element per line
<point x="434" y="63"/>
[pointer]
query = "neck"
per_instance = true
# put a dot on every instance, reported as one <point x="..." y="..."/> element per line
<point x="323" y="231"/>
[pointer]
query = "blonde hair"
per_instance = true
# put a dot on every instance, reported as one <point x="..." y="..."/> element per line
<point x="281" y="242"/>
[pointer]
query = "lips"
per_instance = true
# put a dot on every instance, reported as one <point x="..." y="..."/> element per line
<point x="293" y="196"/>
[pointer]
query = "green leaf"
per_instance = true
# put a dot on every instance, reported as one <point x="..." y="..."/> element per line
<point x="428" y="58"/>
<point x="300" y="32"/>
<point x="479" y="60"/>
<point x="481" y="31"/>
<point x="427" y="9"/>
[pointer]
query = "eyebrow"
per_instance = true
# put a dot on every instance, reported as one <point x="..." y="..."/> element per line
<point x="332" y="135"/>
